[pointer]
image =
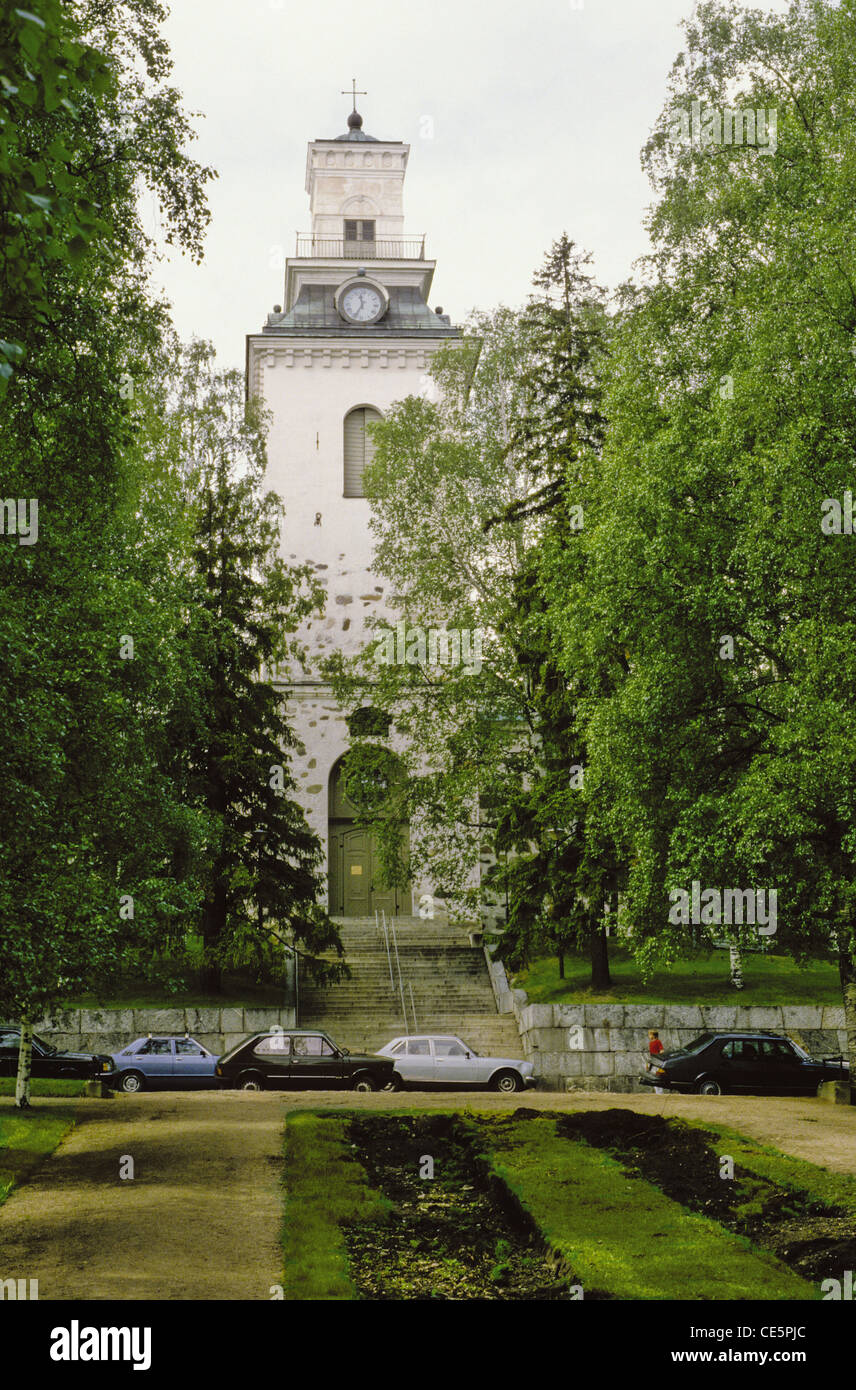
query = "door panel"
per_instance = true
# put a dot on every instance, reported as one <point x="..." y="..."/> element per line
<point x="9" y="1044"/>
<point x="417" y="1064"/>
<point x="191" y="1065"/>
<point x="740" y="1065"/>
<point x="357" y="862"/>
<point x="156" y="1060"/>
<point x="451" y="1064"/>
<point x="314" y="1065"/>
<point x="355" y="882"/>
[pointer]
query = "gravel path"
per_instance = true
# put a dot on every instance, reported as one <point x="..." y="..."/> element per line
<point x="201" y="1217"/>
<point x="199" y="1220"/>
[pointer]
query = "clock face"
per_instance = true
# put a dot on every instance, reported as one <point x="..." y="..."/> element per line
<point x="362" y="304"/>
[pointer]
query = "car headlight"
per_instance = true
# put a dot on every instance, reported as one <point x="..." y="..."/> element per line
<point x="659" y="1071"/>
<point x="106" y="1066"/>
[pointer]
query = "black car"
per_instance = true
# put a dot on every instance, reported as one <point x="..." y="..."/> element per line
<point x="52" y="1061"/>
<point x="762" y="1063"/>
<point x="303" y="1058"/>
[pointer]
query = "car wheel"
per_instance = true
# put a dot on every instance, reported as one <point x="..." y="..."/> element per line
<point x="364" y="1083"/>
<point x="507" y="1082"/>
<point x="394" y="1083"/>
<point x="131" y="1082"/>
<point x="709" y="1088"/>
<point x="250" y="1081"/>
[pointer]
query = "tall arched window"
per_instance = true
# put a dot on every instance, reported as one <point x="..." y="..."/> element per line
<point x="358" y="447"/>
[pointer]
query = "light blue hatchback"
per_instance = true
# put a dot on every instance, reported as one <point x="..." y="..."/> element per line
<point x="164" y="1063"/>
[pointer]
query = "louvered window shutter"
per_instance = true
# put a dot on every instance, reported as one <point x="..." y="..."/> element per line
<point x="359" y="448"/>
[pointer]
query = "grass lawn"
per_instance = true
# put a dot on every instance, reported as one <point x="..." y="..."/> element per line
<point x="621" y="1235"/>
<point x="832" y="1188"/>
<point x="324" y="1187"/>
<point x="766" y="980"/>
<point x="615" y="1233"/>
<point x="47" y="1087"/>
<point x="25" y="1139"/>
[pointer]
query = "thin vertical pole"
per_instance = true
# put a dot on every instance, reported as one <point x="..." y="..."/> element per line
<point x="398" y="968"/>
<point x="413" y="1008"/>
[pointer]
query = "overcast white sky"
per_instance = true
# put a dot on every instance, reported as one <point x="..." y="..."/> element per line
<point x="539" y="110"/>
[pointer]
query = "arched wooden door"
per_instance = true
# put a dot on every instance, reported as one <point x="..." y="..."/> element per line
<point x="356" y="885"/>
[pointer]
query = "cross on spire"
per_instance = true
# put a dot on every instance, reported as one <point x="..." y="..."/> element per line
<point x="354" y="94"/>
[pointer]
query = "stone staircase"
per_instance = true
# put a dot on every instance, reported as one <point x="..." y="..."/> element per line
<point x="449" y="978"/>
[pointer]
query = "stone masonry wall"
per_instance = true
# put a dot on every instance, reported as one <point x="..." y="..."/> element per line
<point x="605" y="1046"/>
<point x="109" y="1030"/>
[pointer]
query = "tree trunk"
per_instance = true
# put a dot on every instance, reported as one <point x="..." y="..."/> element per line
<point x="599" y="950"/>
<point x="25" y="1066"/>
<point x="213" y="929"/>
<point x="736" y="962"/>
<point x="847" y="974"/>
<point x="561" y="957"/>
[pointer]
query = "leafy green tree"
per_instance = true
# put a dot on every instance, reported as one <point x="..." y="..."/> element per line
<point x="716" y="609"/>
<point x="263" y="863"/>
<point x="46" y="208"/>
<point x="463" y="496"/>
<point x="89" y="822"/>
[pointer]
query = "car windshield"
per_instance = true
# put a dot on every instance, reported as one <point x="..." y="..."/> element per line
<point x="47" y="1048"/>
<point x="800" y="1051"/>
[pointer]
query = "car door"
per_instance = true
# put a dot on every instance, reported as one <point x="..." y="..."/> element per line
<point x="417" y="1064"/>
<point x="785" y="1072"/>
<point x="9" y="1044"/>
<point x="272" y="1057"/>
<point x="42" y="1064"/>
<point x="194" y="1066"/>
<point x="315" y="1063"/>
<point x="740" y="1066"/>
<point x="156" y="1061"/>
<point x="453" y="1064"/>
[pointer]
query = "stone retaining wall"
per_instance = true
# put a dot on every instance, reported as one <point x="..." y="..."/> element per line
<point x="605" y="1046"/>
<point x="109" y="1030"/>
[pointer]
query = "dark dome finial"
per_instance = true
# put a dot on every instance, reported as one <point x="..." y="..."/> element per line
<point x="355" y="120"/>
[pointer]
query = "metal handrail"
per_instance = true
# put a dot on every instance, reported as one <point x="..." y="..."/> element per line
<point x="398" y="968"/>
<point x="413" y="1008"/>
<point x="388" y="956"/>
<point x="381" y="249"/>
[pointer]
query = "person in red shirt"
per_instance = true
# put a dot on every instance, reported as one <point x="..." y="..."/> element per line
<point x="655" y="1047"/>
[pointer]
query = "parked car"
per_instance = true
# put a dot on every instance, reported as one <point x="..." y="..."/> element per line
<point x="164" y="1063"/>
<point x="304" y="1058"/>
<point x="50" y="1061"/>
<point x="435" y="1060"/>
<point x="762" y="1063"/>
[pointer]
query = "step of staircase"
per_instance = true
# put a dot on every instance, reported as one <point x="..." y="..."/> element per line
<point x="451" y="989"/>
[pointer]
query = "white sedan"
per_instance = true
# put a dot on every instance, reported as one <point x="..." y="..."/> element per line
<point x="429" y="1060"/>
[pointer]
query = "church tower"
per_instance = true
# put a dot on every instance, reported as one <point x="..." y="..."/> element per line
<point x="354" y="334"/>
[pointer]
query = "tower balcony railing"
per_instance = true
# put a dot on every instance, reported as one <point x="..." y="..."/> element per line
<point x="383" y="249"/>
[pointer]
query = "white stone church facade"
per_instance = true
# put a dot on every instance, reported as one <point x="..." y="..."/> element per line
<point x="354" y="334"/>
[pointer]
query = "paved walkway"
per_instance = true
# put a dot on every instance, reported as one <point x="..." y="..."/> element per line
<point x="201" y="1218"/>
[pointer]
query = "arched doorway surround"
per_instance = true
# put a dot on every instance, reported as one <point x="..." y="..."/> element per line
<point x="356" y="886"/>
